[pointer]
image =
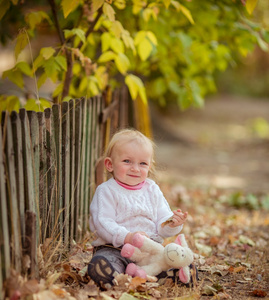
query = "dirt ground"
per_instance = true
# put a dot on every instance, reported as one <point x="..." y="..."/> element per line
<point x="215" y="165"/>
<point x="217" y="146"/>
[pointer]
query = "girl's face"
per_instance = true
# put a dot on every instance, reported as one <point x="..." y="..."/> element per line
<point x="130" y="162"/>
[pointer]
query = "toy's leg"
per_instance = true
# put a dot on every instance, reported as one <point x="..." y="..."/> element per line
<point x="145" y="243"/>
<point x="133" y="270"/>
<point x="131" y="252"/>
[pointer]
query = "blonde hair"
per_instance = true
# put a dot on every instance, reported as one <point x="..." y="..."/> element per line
<point x="129" y="135"/>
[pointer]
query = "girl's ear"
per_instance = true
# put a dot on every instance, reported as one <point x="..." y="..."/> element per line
<point x="108" y="164"/>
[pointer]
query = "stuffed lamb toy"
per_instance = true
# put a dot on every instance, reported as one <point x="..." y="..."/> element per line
<point x="151" y="258"/>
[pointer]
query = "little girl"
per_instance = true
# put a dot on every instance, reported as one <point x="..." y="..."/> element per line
<point x="127" y="203"/>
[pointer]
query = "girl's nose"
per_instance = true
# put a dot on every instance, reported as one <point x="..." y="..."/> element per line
<point x="135" y="167"/>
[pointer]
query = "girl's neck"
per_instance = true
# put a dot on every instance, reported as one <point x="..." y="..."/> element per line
<point x="131" y="187"/>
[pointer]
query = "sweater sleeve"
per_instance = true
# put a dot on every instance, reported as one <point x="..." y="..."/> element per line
<point x="164" y="212"/>
<point x="103" y="217"/>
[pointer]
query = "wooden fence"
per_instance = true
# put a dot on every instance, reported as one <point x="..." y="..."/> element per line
<point x="50" y="164"/>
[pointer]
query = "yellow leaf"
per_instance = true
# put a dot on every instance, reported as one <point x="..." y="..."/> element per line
<point x="122" y="62"/>
<point x="21" y="42"/>
<point x="106" y="40"/>
<point x="96" y="4"/>
<point x="152" y="37"/>
<point x="109" y="12"/>
<point x="250" y="5"/>
<point x="134" y="84"/>
<point x="47" y="52"/>
<point x="139" y="37"/>
<point x="147" y="12"/>
<point x="117" y="28"/>
<point x="186" y="13"/>
<point x="166" y="3"/>
<point x="69" y="6"/>
<point x="117" y="45"/>
<point x="144" y="49"/>
<point x="106" y="56"/>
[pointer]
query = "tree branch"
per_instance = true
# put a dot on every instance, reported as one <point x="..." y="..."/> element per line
<point x="90" y="29"/>
<point x="69" y="60"/>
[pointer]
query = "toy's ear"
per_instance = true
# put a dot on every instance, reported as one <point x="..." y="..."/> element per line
<point x="180" y="240"/>
<point x="184" y="274"/>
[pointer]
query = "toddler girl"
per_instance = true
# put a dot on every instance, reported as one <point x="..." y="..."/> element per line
<point x="127" y="203"/>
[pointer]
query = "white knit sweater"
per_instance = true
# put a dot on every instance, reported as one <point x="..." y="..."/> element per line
<point x="116" y="211"/>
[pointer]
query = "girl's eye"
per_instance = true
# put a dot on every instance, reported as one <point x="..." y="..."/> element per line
<point x="143" y="164"/>
<point x="126" y="161"/>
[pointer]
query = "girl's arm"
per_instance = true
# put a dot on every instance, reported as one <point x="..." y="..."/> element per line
<point x="103" y="218"/>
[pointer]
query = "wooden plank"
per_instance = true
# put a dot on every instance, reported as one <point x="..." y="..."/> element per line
<point x="12" y="192"/>
<point x="17" y="141"/>
<point x="43" y="187"/>
<point x="87" y="166"/>
<point x="31" y="235"/>
<point x="82" y="165"/>
<point x="4" y="228"/>
<point x="34" y="138"/>
<point x="66" y="170"/>
<point x="109" y="110"/>
<point x="72" y="166"/>
<point x="123" y="108"/>
<point x="78" y="117"/>
<point x="57" y="134"/>
<point x="51" y="174"/>
<point x="27" y="162"/>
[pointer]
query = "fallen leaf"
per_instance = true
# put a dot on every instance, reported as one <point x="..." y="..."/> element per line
<point x="126" y="296"/>
<point x="245" y="240"/>
<point x="168" y="222"/>
<point x="258" y="293"/>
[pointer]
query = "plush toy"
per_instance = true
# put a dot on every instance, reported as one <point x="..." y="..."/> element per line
<point x="151" y="258"/>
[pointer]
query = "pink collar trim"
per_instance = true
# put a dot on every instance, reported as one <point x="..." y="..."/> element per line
<point x="131" y="187"/>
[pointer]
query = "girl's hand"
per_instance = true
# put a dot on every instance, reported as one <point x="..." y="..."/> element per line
<point x="178" y="218"/>
<point x="129" y="237"/>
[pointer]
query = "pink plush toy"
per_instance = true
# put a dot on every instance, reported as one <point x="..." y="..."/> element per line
<point x="151" y="258"/>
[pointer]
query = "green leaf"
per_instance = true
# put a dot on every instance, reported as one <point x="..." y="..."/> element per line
<point x="47" y="52"/>
<point x="250" y="5"/>
<point x="35" y="18"/>
<point x="69" y="6"/>
<point x="109" y="11"/>
<point x="41" y="80"/>
<point x="196" y="93"/>
<point x="75" y="32"/>
<point x="107" y="56"/>
<point x="15" y="76"/>
<point x="9" y="103"/>
<point x="25" y="68"/>
<point x="61" y="61"/>
<point x="4" y="7"/>
<point x="122" y="62"/>
<point x="21" y="43"/>
<point x="58" y="90"/>
<point x="51" y="68"/>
